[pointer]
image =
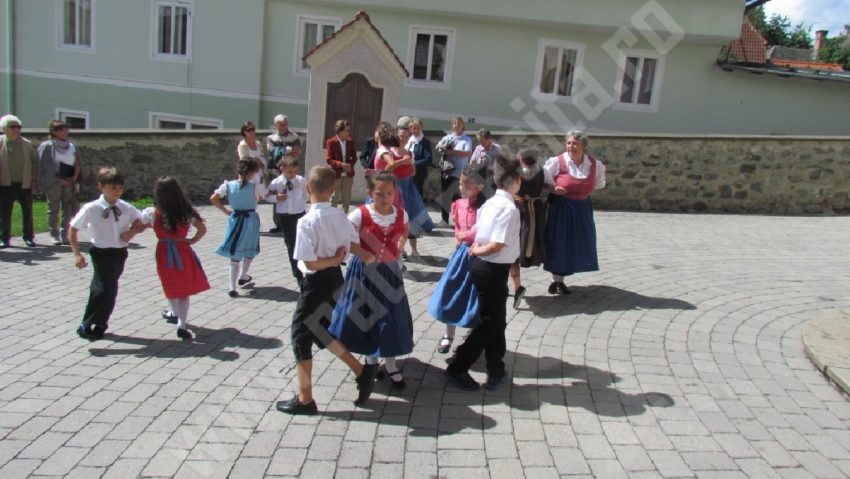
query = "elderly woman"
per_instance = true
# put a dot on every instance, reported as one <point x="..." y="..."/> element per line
<point x="570" y="230"/>
<point x="18" y="170"/>
<point x="58" y="171"/>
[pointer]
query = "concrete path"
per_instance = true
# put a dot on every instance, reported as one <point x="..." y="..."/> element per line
<point x="681" y="358"/>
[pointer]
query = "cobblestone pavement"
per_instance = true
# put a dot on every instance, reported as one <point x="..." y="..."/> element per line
<point x="681" y="358"/>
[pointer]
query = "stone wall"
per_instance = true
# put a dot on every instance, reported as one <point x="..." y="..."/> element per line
<point x="780" y="175"/>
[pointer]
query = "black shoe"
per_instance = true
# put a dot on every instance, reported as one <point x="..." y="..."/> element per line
<point x="445" y="344"/>
<point x="66" y="241"/>
<point x="184" y="334"/>
<point x="562" y="288"/>
<point x="275" y="230"/>
<point x="96" y="332"/>
<point x="233" y="294"/>
<point x="494" y="381"/>
<point x="518" y="294"/>
<point x="169" y="316"/>
<point x="461" y="379"/>
<point x="294" y="407"/>
<point x="366" y="382"/>
<point x="29" y="243"/>
<point x="82" y="332"/>
<point x="246" y="280"/>
<point x="553" y="288"/>
<point x="396" y="379"/>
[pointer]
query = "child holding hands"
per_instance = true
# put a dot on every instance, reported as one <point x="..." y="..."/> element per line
<point x="323" y="240"/>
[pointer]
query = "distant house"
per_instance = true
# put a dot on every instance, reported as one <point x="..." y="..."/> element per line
<point x="643" y="66"/>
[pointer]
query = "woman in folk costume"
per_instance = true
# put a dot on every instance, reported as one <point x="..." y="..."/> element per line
<point x="532" y="216"/>
<point x="570" y="229"/>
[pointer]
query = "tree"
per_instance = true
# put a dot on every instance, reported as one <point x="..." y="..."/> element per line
<point x="834" y="51"/>
<point x="777" y="29"/>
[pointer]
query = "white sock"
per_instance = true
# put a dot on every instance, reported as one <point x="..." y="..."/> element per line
<point x="234" y="274"/>
<point x="246" y="265"/>
<point x="371" y="360"/>
<point x="450" y="331"/>
<point x="183" y="312"/>
<point x="389" y="363"/>
<point x="556" y="278"/>
<point x="174" y="304"/>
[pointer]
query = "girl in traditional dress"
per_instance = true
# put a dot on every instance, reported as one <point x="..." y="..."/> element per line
<point x="242" y="237"/>
<point x="177" y="265"/>
<point x="455" y="301"/>
<point x="532" y="218"/>
<point x="570" y="229"/>
<point x="372" y="316"/>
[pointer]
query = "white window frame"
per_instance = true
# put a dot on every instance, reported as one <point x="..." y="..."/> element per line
<point x="60" y="29"/>
<point x="63" y="113"/>
<point x="660" y="59"/>
<point x="450" y="50"/>
<point x="154" y="30"/>
<point x="155" y="117"/>
<point x="301" y="21"/>
<point x="578" y="69"/>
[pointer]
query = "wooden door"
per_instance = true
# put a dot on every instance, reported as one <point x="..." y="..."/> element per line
<point x="355" y="100"/>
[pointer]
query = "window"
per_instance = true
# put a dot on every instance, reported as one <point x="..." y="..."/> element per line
<point x="557" y="63"/>
<point x="429" y="56"/>
<point x="311" y="32"/>
<point x="638" y="80"/>
<point x="172" y="32"/>
<point x="75" y="23"/>
<point x="76" y="120"/>
<point x="166" y="121"/>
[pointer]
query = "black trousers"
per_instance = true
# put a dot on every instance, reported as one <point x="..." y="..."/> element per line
<point x="8" y="195"/>
<point x="449" y="193"/>
<point x="289" y="224"/>
<point x="108" y="264"/>
<point x="319" y="292"/>
<point x="491" y="281"/>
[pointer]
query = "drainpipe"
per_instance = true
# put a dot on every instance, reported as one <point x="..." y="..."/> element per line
<point x="10" y="54"/>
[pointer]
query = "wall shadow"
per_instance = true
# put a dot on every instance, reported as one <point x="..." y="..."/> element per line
<point x="595" y="299"/>
<point x="211" y="343"/>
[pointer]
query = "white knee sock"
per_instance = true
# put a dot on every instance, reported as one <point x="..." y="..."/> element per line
<point x="174" y="305"/>
<point x="246" y="265"/>
<point x="234" y="274"/>
<point x="556" y="278"/>
<point x="389" y="363"/>
<point x="183" y="312"/>
<point x="371" y="360"/>
<point x="450" y="331"/>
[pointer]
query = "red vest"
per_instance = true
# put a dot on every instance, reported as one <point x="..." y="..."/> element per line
<point x="577" y="188"/>
<point x="380" y="241"/>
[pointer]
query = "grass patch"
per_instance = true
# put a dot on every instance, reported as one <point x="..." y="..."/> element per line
<point x="39" y="214"/>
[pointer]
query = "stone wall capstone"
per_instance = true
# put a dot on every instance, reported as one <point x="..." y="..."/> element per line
<point x="775" y="175"/>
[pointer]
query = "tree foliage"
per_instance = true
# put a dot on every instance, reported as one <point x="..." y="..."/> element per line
<point x="834" y="50"/>
<point x="777" y="29"/>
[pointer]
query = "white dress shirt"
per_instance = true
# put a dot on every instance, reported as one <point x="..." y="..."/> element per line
<point x="552" y="167"/>
<point x="498" y="222"/>
<point x="296" y="198"/>
<point x="320" y="233"/>
<point x="105" y="232"/>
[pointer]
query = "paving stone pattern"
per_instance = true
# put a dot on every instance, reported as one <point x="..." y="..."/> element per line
<point x="681" y="358"/>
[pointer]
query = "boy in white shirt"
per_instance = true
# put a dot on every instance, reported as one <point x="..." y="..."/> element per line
<point x="323" y="240"/>
<point x="107" y="219"/>
<point x="289" y="193"/>
<point x="495" y="248"/>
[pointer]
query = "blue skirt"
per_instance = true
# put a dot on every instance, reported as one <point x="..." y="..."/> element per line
<point x="242" y="237"/>
<point x="455" y="300"/>
<point x="570" y="237"/>
<point x="420" y="222"/>
<point x="372" y="315"/>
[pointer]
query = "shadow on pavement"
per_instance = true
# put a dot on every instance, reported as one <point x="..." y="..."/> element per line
<point x="19" y="253"/>
<point x="429" y="407"/>
<point x="595" y="299"/>
<point x="207" y="343"/>
<point x="274" y="293"/>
